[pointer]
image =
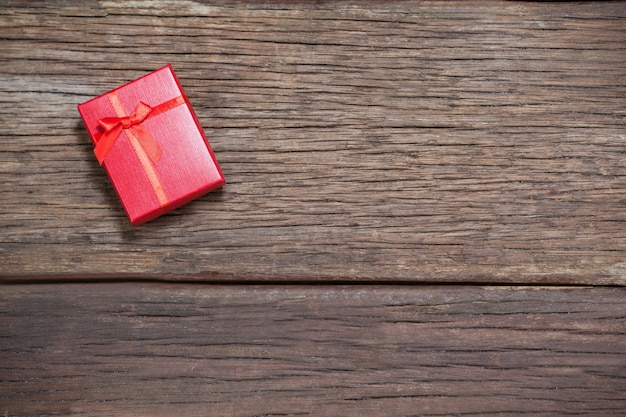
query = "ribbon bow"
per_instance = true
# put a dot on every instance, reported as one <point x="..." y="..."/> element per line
<point x="113" y="127"/>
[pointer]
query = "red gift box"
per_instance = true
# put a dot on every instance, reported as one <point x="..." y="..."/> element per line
<point x="149" y="140"/>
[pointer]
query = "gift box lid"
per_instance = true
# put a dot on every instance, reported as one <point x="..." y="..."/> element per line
<point x="151" y="145"/>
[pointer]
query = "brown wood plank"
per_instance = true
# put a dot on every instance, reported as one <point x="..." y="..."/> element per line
<point x="177" y="349"/>
<point x="397" y="141"/>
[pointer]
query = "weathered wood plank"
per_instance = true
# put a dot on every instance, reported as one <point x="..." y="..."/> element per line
<point x="164" y="349"/>
<point x="412" y="141"/>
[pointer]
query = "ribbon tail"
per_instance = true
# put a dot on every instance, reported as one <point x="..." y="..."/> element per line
<point x="148" y="143"/>
<point x="106" y="142"/>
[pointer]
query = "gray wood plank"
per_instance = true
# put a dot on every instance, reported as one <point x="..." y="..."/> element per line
<point x="174" y="349"/>
<point x="398" y="141"/>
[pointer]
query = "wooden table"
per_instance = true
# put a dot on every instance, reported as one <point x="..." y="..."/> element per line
<point x="425" y="212"/>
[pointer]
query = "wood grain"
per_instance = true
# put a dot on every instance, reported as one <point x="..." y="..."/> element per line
<point x="171" y="349"/>
<point x="384" y="141"/>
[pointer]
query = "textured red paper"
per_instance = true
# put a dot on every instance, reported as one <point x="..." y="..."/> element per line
<point x="187" y="168"/>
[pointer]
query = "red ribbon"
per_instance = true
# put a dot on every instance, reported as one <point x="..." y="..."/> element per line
<point x="113" y="127"/>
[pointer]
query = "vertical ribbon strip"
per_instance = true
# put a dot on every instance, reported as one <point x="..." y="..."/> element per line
<point x="145" y="146"/>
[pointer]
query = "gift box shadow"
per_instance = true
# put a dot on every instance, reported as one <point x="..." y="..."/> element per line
<point x="178" y="217"/>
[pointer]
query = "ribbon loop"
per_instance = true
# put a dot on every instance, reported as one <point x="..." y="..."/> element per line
<point x="139" y="115"/>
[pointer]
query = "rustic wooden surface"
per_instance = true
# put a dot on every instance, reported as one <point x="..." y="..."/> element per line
<point x="382" y="141"/>
<point x="471" y="143"/>
<point x="164" y="349"/>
